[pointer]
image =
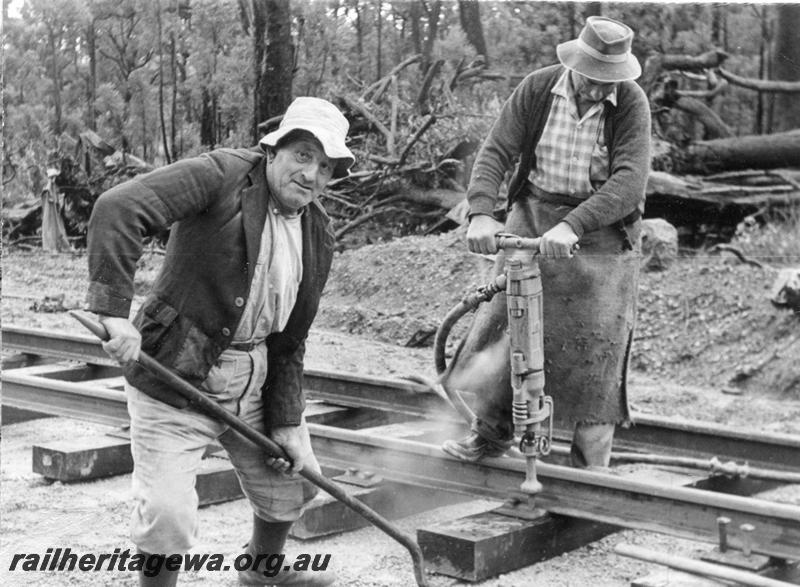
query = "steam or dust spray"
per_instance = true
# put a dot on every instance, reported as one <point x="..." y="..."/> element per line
<point x="486" y="369"/>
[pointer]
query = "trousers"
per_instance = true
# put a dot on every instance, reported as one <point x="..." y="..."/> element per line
<point x="168" y="445"/>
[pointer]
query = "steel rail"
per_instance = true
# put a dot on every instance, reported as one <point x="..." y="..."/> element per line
<point x="676" y="435"/>
<point x="69" y="399"/>
<point x="60" y="345"/>
<point x="690" y="513"/>
<point x="679" y="511"/>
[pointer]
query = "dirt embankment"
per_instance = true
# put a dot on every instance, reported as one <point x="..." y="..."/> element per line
<point x="705" y="321"/>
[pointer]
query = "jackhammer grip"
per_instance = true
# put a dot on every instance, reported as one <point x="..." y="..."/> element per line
<point x="512" y="241"/>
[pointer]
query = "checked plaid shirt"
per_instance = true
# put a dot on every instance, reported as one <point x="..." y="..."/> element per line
<point x="572" y="156"/>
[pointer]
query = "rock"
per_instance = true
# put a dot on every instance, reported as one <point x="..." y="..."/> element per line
<point x="786" y="289"/>
<point x="659" y="244"/>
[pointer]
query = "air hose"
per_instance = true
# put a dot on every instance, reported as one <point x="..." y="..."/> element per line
<point x="469" y="303"/>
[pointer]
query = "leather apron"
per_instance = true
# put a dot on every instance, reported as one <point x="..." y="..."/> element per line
<point x="589" y="310"/>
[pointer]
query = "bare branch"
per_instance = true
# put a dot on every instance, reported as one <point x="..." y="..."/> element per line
<point x="361" y="108"/>
<point x="420" y="131"/>
<point x="377" y="88"/>
<point x="761" y="85"/>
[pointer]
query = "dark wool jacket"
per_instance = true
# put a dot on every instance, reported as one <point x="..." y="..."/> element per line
<point x="216" y="205"/>
<point x="513" y="138"/>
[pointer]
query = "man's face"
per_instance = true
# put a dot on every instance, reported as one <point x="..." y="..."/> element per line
<point x="587" y="90"/>
<point x="298" y="173"/>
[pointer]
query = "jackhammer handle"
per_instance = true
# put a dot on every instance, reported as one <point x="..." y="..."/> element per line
<point x="507" y="241"/>
<point x="209" y="407"/>
<point x="512" y="241"/>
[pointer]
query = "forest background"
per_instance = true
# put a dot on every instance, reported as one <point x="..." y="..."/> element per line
<point x="421" y="81"/>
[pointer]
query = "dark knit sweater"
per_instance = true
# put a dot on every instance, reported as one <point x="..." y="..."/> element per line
<point x="513" y="138"/>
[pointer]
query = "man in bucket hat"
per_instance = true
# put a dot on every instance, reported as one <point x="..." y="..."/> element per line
<point x="580" y="132"/>
<point x="248" y="256"/>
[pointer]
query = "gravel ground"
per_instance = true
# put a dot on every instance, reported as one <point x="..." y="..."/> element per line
<point x="709" y="347"/>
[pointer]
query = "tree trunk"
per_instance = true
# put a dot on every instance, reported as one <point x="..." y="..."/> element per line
<point x="433" y="30"/>
<point x="280" y="59"/>
<point x="359" y="40"/>
<point x="379" y="30"/>
<point x="719" y="26"/>
<point x="207" y="134"/>
<point x="173" y="115"/>
<point x="164" y="142"/>
<point x="469" y="12"/>
<point x="415" y="13"/>
<point x="748" y="152"/>
<point x="423" y="42"/>
<point x="785" y="61"/>
<point x="760" y="121"/>
<point x="259" y="24"/>
<point x="591" y="9"/>
<point x="91" y="91"/>
<point x="56" y="76"/>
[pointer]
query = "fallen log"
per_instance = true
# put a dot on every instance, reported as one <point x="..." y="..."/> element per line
<point x="714" y="208"/>
<point x="708" y="60"/>
<point x="736" y="153"/>
<point x="717" y="193"/>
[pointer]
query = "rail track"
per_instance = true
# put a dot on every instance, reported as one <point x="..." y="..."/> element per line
<point x="394" y="427"/>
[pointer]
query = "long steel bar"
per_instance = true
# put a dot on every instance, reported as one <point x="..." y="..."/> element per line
<point x="680" y="511"/>
<point x="676" y="435"/>
<point x="699" y="568"/>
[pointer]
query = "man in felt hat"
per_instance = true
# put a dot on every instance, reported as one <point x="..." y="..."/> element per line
<point x="580" y="131"/>
<point x="248" y="255"/>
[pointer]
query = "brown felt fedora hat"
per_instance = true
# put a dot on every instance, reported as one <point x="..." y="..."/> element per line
<point x="602" y="52"/>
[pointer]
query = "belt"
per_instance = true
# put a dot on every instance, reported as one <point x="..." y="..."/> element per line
<point x="244" y="346"/>
<point x="564" y="200"/>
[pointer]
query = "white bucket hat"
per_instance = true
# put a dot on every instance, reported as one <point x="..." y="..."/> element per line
<point x="323" y="120"/>
<point x="602" y="52"/>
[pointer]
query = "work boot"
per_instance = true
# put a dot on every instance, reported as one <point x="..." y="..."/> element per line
<point x="475" y="447"/>
<point x="164" y="578"/>
<point x="268" y="540"/>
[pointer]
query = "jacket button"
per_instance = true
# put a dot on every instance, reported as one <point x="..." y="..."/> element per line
<point x="226" y="331"/>
<point x="239" y="302"/>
